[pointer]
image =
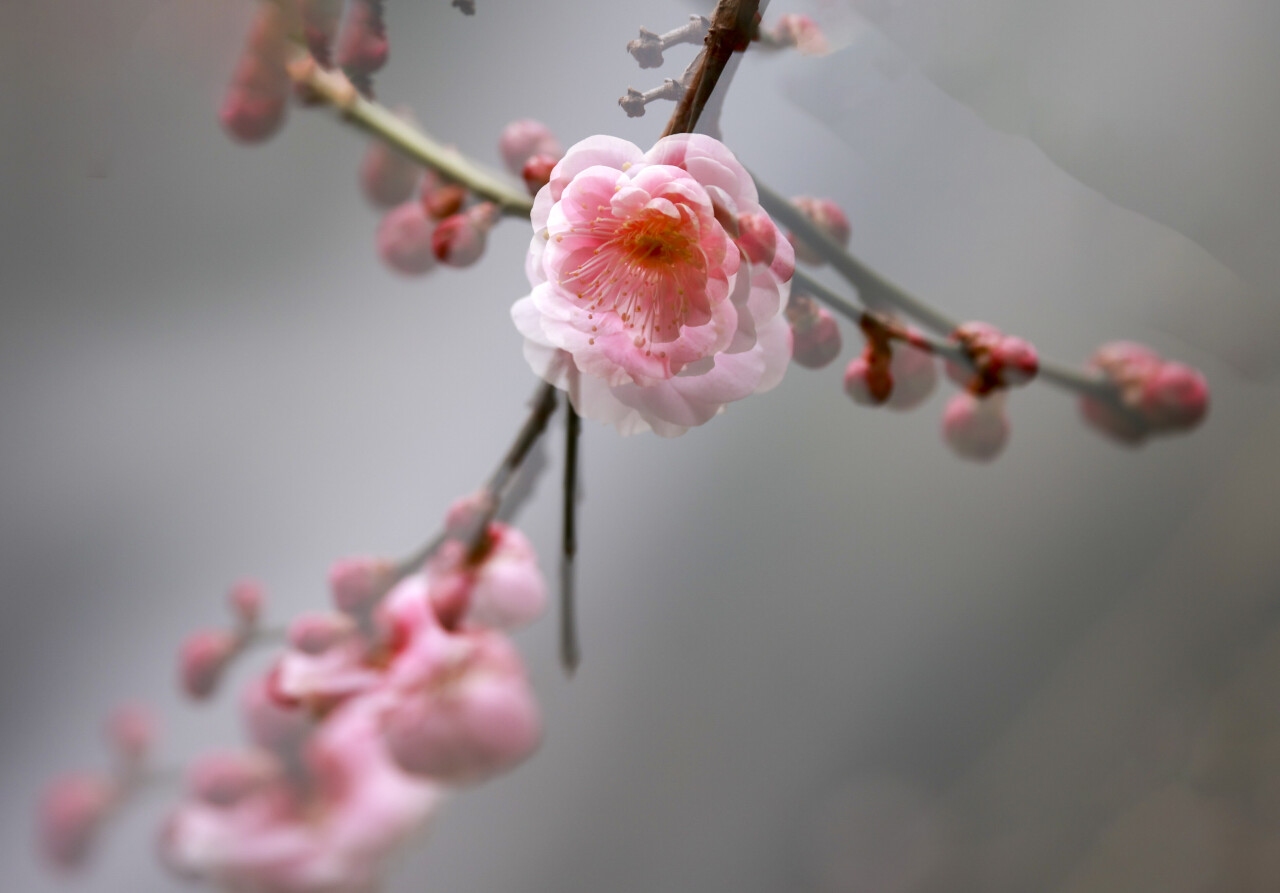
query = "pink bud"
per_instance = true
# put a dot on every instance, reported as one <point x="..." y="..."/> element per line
<point x="867" y="382"/>
<point x="316" y="633"/>
<point x="246" y="599"/>
<point x="1175" y="396"/>
<point x="319" y="24"/>
<point x="254" y="106"/>
<point x="536" y="172"/>
<point x="976" y="428"/>
<point x="358" y="584"/>
<point x="386" y="176"/>
<point x="224" y="779"/>
<point x="72" y="810"/>
<point x="404" y="239"/>
<point x="915" y="375"/>
<point x="815" y="338"/>
<point x="201" y="660"/>
<point x="757" y="237"/>
<point x="1116" y="422"/>
<point x="130" y="732"/>
<point x="459" y="240"/>
<point x="827" y="217"/>
<point x="362" y="42"/>
<point x="996" y="360"/>
<point x="801" y="32"/>
<point x="1017" y="360"/>
<point x="441" y="198"/>
<point x="525" y="138"/>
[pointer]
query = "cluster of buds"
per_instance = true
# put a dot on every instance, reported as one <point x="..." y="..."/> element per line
<point x="355" y="43"/>
<point x="1152" y="395"/>
<point x="975" y="423"/>
<point x="898" y="376"/>
<point x="77" y="805"/>
<point x="408" y="687"/>
<point x="435" y="225"/>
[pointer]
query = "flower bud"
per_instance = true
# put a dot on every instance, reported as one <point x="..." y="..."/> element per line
<point x="201" y="660"/>
<point x="254" y="106"/>
<point x="362" y="41"/>
<point x="404" y="239"/>
<point x="130" y="732"/>
<point x="459" y="240"/>
<point x="757" y="237"/>
<point x="523" y="139"/>
<point x="1175" y="396"/>
<point x="801" y="32"/>
<point x="388" y="177"/>
<point x="319" y="24"/>
<point x="827" y="217"/>
<point x="996" y="360"/>
<point x="358" y="584"/>
<point x="976" y="428"/>
<point x="271" y="722"/>
<point x="867" y="382"/>
<point x="246" y="599"/>
<point x="915" y="375"/>
<point x="71" y="811"/>
<point x="815" y="335"/>
<point x="441" y="197"/>
<point x="536" y="172"/>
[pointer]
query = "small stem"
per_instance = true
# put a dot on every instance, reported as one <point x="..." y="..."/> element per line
<point x="570" y="652"/>
<point x="333" y="88"/>
<point x="544" y="404"/>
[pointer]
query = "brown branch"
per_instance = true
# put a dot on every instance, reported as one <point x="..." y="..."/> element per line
<point x="733" y="24"/>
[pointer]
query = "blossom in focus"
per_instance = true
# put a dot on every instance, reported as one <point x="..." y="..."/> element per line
<point x="651" y="305"/>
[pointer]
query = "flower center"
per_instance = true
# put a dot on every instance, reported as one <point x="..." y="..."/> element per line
<point x="645" y="268"/>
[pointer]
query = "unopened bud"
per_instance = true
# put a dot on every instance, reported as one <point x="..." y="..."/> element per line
<point x="915" y="375"/>
<point x="319" y="24"/>
<point x="72" y="811"/>
<point x="536" y="172"/>
<point x="203" y="657"/>
<point x="404" y="239"/>
<point x="459" y="240"/>
<point x="358" y="584"/>
<point x="826" y="215"/>
<point x="815" y="335"/>
<point x="362" y="41"/>
<point x="246" y="599"/>
<point x="995" y="360"/>
<point x="976" y="428"/>
<point x="441" y="197"/>
<point x="867" y="382"/>
<point x="388" y="177"/>
<point x="525" y="138"/>
<point x="1175" y="396"/>
<point x="254" y="106"/>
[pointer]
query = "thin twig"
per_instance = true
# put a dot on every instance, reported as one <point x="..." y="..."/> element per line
<point x="570" y="652"/>
<point x="334" y="89"/>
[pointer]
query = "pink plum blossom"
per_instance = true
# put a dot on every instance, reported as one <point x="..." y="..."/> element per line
<point x="462" y="707"/>
<point x="441" y="197"/>
<point x="503" y="590"/>
<point x="254" y="106"/>
<point x="246" y="599"/>
<point x="326" y="827"/>
<point x="459" y="240"/>
<point x="201" y="660"/>
<point x="815" y="336"/>
<point x="388" y="177"/>
<point x="645" y="306"/>
<point x="996" y="360"/>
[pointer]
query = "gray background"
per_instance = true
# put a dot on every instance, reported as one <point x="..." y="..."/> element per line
<point x="820" y="652"/>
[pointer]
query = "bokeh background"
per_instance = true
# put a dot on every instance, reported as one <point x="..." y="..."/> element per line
<point x="821" y="653"/>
